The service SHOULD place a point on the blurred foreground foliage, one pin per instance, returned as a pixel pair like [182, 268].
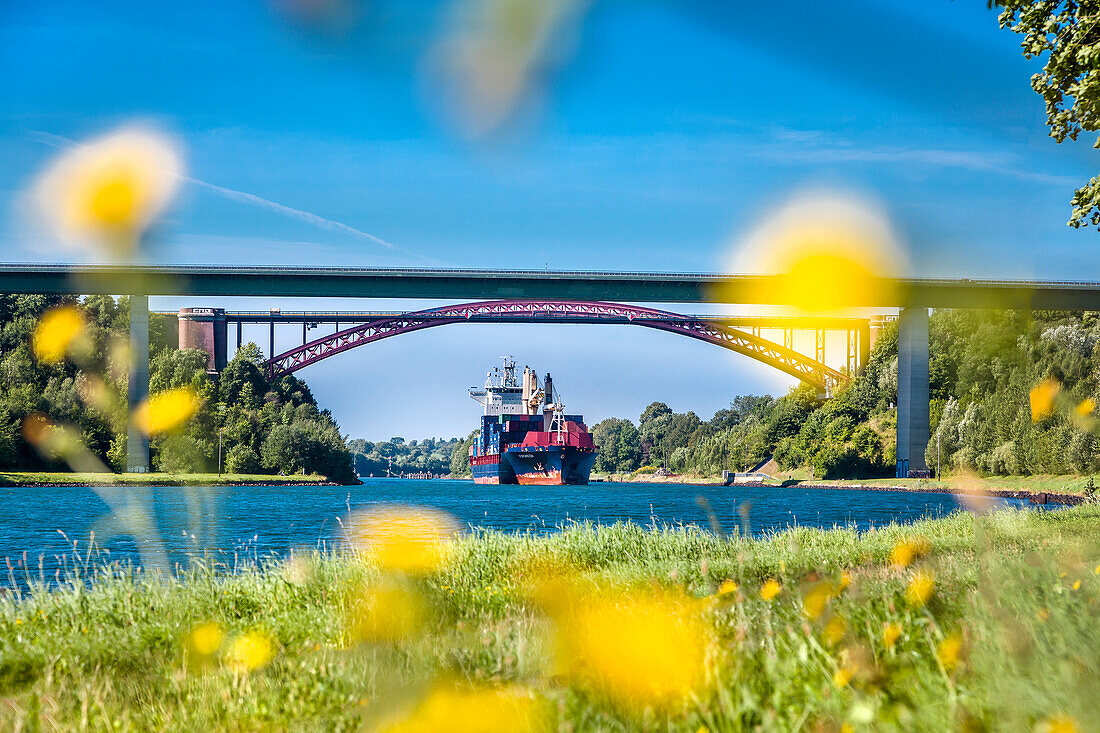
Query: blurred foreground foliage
[983, 366]
[267, 426]
[961, 623]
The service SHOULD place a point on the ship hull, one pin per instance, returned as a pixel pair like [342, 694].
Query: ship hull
[491, 470]
[551, 465]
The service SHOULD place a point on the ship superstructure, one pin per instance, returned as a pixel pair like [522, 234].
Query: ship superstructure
[526, 437]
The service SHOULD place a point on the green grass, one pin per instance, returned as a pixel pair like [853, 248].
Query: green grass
[53, 478]
[109, 655]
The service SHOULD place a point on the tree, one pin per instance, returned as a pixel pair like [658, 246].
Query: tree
[653, 411]
[242, 381]
[1067, 32]
[618, 444]
[460, 455]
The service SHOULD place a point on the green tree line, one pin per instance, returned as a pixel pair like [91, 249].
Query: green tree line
[432, 455]
[983, 368]
[266, 426]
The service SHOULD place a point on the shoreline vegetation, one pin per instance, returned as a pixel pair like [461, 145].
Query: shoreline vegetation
[1067, 489]
[60, 478]
[963, 622]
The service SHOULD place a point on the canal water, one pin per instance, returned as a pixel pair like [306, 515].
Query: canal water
[39, 525]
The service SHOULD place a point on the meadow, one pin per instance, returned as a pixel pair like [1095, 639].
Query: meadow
[961, 623]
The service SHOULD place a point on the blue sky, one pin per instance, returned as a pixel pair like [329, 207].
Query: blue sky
[665, 133]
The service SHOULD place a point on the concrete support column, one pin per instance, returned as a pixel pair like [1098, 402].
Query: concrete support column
[137, 442]
[864, 345]
[912, 389]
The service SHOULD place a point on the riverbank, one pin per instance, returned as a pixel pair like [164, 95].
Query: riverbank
[48, 479]
[976, 622]
[1042, 488]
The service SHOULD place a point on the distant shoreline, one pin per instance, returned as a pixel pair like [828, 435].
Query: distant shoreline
[924, 486]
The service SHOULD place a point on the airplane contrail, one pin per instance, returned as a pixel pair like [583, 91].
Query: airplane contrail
[307, 217]
[57, 141]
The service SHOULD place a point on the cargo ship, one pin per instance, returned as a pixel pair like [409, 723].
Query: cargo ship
[526, 437]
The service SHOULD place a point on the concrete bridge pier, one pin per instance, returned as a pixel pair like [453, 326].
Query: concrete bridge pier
[137, 442]
[912, 390]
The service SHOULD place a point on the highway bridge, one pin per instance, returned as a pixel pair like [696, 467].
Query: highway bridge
[913, 296]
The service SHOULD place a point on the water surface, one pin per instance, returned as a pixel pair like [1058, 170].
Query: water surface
[261, 521]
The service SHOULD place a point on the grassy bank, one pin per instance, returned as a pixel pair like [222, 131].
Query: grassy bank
[60, 478]
[1058, 484]
[956, 623]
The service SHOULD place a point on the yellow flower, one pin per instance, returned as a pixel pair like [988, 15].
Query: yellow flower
[834, 630]
[907, 550]
[890, 635]
[815, 600]
[828, 252]
[450, 708]
[770, 589]
[205, 639]
[1096, 570]
[1042, 399]
[727, 587]
[845, 581]
[842, 677]
[249, 651]
[1086, 407]
[1058, 724]
[407, 539]
[56, 332]
[1077, 585]
[166, 411]
[948, 650]
[638, 651]
[388, 612]
[920, 588]
[109, 191]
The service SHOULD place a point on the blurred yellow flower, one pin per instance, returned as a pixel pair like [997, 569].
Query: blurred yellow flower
[109, 191]
[249, 651]
[638, 651]
[403, 538]
[388, 612]
[1086, 407]
[829, 251]
[206, 639]
[816, 598]
[770, 589]
[1096, 570]
[56, 332]
[1042, 399]
[948, 651]
[1076, 585]
[920, 588]
[167, 410]
[907, 550]
[727, 587]
[449, 708]
[845, 581]
[1058, 724]
[834, 630]
[890, 635]
[842, 677]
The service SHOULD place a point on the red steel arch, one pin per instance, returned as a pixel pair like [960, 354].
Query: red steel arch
[780, 357]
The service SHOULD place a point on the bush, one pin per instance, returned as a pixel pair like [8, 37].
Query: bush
[181, 454]
[242, 459]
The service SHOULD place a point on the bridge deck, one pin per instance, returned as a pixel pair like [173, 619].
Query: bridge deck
[634, 287]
